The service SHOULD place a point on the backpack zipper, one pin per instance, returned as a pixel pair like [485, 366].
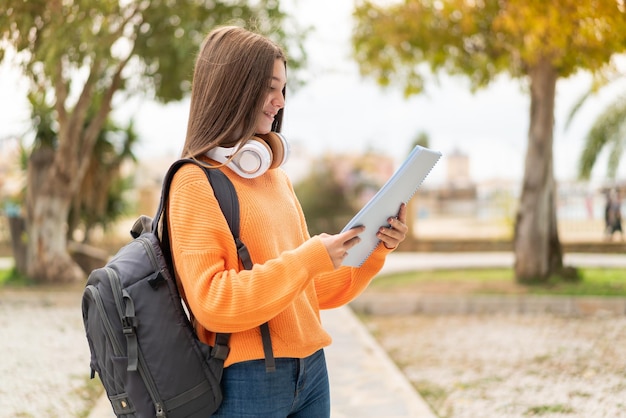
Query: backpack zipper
[95, 293]
[150, 252]
[116, 286]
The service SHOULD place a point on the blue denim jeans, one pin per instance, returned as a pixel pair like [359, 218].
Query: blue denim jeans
[297, 389]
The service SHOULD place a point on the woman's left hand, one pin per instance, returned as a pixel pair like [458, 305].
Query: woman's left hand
[393, 234]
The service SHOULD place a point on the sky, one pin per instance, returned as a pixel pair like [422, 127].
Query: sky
[339, 111]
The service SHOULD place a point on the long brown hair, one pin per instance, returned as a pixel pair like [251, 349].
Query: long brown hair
[231, 78]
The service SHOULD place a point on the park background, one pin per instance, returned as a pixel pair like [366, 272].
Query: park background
[468, 203]
[337, 114]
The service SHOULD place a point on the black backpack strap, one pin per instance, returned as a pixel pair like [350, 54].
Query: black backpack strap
[226, 196]
[270, 363]
[229, 204]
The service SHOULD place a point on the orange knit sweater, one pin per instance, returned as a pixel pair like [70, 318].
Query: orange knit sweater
[292, 278]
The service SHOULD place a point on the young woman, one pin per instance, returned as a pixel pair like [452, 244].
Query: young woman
[237, 102]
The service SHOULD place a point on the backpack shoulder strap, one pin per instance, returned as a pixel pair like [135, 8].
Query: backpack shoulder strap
[226, 196]
[229, 204]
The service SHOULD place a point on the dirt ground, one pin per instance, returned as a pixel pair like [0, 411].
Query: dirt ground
[44, 367]
[507, 365]
[511, 365]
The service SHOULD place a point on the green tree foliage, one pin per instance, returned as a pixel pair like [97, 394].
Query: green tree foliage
[326, 202]
[537, 41]
[78, 55]
[422, 139]
[100, 200]
[608, 131]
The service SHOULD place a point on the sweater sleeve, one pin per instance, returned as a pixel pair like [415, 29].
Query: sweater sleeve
[343, 285]
[222, 296]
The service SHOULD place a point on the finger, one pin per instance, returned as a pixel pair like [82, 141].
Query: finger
[400, 219]
[392, 236]
[402, 213]
[401, 216]
[389, 233]
[397, 224]
[351, 243]
[388, 241]
[351, 233]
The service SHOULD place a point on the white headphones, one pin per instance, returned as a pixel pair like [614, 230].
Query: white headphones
[255, 157]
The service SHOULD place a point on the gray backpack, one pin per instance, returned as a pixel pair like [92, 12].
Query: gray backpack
[142, 343]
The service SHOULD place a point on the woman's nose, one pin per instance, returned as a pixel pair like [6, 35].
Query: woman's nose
[279, 101]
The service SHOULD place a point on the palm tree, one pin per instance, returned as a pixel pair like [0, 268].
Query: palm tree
[607, 132]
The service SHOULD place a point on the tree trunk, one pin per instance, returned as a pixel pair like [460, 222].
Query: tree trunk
[48, 202]
[17, 227]
[49, 260]
[538, 251]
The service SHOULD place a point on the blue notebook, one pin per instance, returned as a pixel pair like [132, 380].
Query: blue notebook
[386, 202]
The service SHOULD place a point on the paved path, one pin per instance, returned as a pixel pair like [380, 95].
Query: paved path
[416, 261]
[364, 382]
[6, 263]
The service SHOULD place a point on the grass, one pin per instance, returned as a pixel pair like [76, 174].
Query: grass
[435, 396]
[13, 278]
[549, 409]
[590, 282]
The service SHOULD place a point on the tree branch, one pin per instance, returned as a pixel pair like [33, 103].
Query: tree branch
[61, 92]
[82, 106]
[79, 114]
[97, 122]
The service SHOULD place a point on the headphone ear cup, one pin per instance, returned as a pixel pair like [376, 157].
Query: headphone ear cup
[253, 159]
[278, 145]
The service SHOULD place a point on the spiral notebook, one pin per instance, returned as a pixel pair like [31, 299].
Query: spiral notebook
[386, 202]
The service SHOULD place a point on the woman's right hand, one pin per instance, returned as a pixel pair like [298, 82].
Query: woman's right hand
[338, 245]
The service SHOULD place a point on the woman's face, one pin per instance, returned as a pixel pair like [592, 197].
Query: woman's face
[274, 100]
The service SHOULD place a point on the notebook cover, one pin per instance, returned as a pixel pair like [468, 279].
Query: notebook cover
[400, 187]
